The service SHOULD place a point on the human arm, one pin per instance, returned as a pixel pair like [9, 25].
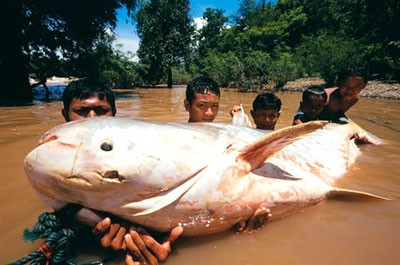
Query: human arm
[234, 109]
[297, 118]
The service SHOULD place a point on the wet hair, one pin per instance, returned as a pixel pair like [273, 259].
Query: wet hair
[84, 89]
[267, 100]
[314, 91]
[203, 85]
[351, 71]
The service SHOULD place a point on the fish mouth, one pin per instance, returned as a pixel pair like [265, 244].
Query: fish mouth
[114, 175]
[96, 177]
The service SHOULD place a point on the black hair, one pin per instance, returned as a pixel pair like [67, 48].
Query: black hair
[202, 84]
[83, 89]
[267, 100]
[314, 91]
[351, 71]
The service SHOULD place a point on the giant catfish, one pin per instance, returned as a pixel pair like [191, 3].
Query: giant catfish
[205, 177]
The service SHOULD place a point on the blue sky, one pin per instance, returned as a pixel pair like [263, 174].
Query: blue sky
[125, 31]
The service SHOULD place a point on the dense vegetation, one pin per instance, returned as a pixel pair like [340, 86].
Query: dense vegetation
[262, 43]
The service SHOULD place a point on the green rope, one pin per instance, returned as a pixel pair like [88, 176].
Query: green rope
[53, 228]
[55, 248]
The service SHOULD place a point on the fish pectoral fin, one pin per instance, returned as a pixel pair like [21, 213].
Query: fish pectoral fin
[155, 203]
[347, 194]
[257, 152]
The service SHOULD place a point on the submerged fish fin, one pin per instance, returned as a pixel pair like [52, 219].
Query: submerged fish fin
[257, 152]
[346, 194]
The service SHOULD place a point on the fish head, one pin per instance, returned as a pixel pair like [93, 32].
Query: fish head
[76, 157]
[102, 158]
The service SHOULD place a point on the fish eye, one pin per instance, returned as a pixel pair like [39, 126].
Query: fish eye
[106, 146]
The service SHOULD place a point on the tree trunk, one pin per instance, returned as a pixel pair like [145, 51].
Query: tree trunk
[169, 77]
[13, 74]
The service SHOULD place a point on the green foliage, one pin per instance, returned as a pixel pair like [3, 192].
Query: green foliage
[181, 76]
[284, 69]
[222, 67]
[264, 42]
[209, 36]
[66, 30]
[47, 37]
[165, 33]
[255, 71]
[303, 38]
[325, 55]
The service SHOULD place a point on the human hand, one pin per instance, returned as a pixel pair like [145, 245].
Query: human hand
[256, 221]
[234, 109]
[111, 234]
[143, 248]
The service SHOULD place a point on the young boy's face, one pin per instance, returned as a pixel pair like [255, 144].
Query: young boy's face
[265, 119]
[85, 108]
[204, 107]
[351, 86]
[312, 106]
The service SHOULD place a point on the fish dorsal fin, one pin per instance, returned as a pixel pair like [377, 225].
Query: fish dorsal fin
[257, 152]
[346, 194]
[155, 203]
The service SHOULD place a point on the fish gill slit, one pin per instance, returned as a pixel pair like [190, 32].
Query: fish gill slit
[75, 159]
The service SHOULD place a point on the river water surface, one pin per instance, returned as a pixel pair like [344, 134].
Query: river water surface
[335, 232]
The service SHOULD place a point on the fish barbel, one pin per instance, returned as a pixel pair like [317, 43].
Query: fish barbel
[205, 177]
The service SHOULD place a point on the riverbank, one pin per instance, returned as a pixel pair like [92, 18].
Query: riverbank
[374, 89]
[55, 81]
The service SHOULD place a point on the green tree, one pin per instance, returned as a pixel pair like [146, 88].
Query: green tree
[325, 55]
[210, 34]
[44, 33]
[165, 30]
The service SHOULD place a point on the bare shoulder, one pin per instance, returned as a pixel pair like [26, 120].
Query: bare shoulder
[330, 90]
[330, 94]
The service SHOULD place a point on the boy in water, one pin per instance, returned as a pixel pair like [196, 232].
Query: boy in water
[85, 99]
[202, 99]
[342, 98]
[202, 103]
[313, 102]
[266, 110]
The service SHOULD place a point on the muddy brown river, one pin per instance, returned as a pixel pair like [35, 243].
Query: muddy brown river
[334, 232]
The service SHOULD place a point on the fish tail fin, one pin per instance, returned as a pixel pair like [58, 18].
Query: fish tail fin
[347, 194]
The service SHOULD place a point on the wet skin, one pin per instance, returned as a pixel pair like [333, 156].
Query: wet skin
[86, 108]
[204, 107]
[265, 119]
[312, 106]
[346, 95]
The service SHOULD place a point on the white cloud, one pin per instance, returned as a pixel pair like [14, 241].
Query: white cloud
[199, 22]
[128, 44]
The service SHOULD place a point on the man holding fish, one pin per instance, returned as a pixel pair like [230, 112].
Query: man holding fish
[85, 99]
